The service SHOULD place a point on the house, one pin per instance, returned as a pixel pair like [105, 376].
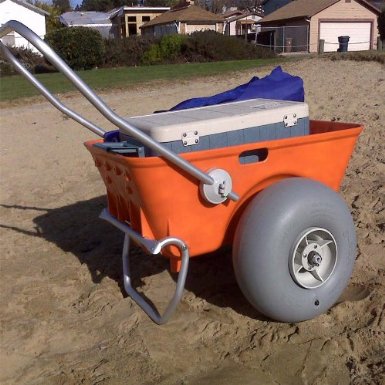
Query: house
[101, 21]
[184, 18]
[301, 24]
[238, 23]
[26, 13]
[118, 23]
[129, 20]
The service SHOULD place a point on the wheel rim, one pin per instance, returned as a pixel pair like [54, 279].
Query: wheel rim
[314, 258]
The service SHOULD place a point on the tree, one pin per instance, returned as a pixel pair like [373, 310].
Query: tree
[62, 5]
[218, 6]
[251, 5]
[215, 6]
[381, 24]
[52, 20]
[107, 5]
[97, 5]
[160, 3]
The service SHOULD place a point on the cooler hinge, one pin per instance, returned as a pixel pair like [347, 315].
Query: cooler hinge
[290, 120]
[190, 137]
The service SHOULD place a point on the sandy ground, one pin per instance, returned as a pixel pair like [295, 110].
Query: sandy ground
[64, 317]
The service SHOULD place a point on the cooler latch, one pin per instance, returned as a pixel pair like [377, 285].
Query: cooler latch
[189, 138]
[290, 120]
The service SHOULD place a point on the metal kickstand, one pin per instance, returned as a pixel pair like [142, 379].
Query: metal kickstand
[153, 247]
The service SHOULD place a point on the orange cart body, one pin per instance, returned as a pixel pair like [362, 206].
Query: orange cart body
[160, 200]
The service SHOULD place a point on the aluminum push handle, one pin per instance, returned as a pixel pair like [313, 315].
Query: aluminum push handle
[97, 102]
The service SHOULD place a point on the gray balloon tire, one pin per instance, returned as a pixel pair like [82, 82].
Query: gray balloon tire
[264, 241]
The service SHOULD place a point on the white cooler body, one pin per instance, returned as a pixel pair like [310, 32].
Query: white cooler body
[223, 125]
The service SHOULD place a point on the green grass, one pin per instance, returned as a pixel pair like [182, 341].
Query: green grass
[15, 87]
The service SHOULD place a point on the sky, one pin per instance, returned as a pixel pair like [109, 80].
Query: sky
[74, 3]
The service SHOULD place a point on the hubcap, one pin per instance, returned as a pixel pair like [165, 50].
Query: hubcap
[314, 258]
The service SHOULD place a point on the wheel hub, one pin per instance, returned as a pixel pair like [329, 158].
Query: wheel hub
[314, 258]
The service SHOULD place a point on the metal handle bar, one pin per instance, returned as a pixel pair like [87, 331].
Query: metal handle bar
[47, 94]
[97, 102]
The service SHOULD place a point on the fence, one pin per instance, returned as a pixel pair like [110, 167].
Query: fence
[284, 39]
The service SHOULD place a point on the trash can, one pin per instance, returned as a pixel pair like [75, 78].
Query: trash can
[344, 42]
[288, 44]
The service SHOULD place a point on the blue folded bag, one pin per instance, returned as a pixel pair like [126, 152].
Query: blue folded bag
[278, 85]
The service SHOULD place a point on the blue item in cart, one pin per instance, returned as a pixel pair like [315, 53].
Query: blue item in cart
[279, 85]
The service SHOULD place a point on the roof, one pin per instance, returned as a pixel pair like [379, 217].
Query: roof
[247, 21]
[125, 8]
[244, 15]
[305, 9]
[190, 13]
[29, 6]
[85, 18]
[231, 13]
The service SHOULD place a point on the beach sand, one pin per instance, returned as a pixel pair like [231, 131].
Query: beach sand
[65, 319]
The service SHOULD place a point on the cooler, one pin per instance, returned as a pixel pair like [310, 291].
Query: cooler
[222, 125]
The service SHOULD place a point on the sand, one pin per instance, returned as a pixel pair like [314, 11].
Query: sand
[64, 317]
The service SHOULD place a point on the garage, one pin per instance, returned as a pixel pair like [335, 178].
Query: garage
[359, 33]
[325, 20]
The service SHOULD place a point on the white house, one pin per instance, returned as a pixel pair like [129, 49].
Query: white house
[33, 17]
[241, 23]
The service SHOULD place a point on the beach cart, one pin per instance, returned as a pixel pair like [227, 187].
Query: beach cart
[257, 175]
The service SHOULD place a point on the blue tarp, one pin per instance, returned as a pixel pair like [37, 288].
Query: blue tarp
[278, 85]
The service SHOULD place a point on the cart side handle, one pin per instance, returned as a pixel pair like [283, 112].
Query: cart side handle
[95, 100]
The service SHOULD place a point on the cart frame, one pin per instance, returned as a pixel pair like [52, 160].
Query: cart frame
[208, 186]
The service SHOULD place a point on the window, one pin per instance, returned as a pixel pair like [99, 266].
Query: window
[131, 25]
[132, 29]
[145, 19]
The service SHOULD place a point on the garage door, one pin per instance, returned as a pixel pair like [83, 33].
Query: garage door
[359, 35]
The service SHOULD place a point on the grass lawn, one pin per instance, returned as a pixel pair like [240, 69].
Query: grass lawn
[14, 87]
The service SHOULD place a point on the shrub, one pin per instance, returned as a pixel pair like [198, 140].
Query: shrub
[6, 69]
[30, 60]
[212, 46]
[126, 52]
[198, 47]
[80, 47]
[152, 55]
[166, 50]
[171, 47]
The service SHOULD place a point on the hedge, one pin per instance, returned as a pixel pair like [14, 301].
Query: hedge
[79, 47]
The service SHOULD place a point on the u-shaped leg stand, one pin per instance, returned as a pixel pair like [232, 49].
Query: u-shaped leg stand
[153, 247]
